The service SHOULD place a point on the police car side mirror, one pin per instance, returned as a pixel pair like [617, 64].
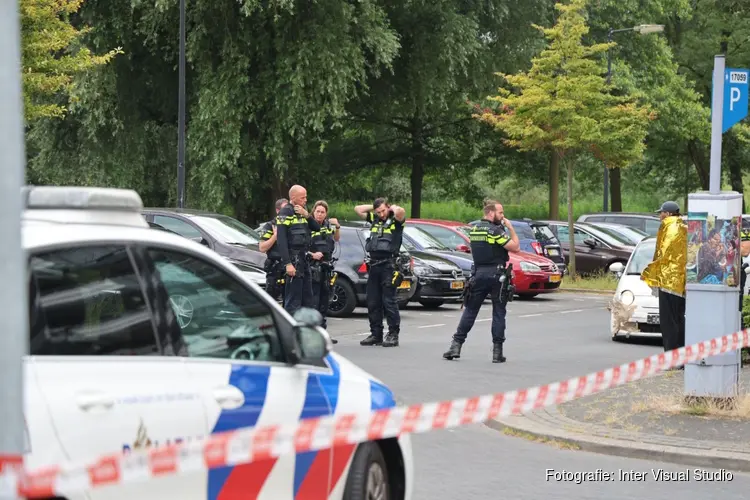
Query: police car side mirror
[314, 342]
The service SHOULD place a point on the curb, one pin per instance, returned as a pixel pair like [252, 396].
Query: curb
[586, 290]
[699, 457]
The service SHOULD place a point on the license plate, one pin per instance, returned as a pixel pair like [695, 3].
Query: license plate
[552, 251]
[457, 285]
[405, 284]
[652, 319]
[554, 278]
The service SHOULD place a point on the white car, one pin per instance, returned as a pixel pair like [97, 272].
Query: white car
[635, 311]
[141, 338]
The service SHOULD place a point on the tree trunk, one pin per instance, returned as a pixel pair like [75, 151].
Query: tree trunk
[615, 190]
[698, 156]
[417, 169]
[571, 233]
[732, 152]
[554, 185]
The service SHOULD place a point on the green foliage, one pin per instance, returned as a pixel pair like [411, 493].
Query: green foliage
[51, 54]
[746, 310]
[563, 104]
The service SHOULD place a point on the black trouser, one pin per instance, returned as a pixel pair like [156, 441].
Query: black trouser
[298, 288]
[485, 282]
[321, 289]
[672, 320]
[274, 272]
[381, 297]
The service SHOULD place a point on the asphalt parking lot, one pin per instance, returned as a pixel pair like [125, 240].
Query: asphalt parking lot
[549, 338]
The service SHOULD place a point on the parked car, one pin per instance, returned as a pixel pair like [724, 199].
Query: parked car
[438, 280]
[649, 223]
[536, 237]
[532, 274]
[225, 235]
[630, 234]
[596, 250]
[139, 338]
[633, 293]
[350, 288]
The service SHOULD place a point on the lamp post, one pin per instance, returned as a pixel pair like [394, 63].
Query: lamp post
[181, 114]
[641, 29]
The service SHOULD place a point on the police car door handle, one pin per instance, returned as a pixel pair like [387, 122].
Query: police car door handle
[229, 397]
[94, 400]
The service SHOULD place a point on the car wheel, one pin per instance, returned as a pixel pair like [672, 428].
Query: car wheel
[527, 296]
[368, 476]
[431, 304]
[343, 299]
[403, 303]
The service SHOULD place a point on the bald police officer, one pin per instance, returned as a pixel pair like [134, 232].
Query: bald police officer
[491, 240]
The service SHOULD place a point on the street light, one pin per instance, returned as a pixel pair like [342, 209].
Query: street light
[641, 29]
[181, 114]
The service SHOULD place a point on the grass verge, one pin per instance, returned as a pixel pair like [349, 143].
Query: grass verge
[595, 282]
[737, 408]
[540, 439]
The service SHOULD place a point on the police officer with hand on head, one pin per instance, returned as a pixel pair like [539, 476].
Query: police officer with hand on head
[491, 240]
[383, 246]
[322, 245]
[294, 225]
[273, 267]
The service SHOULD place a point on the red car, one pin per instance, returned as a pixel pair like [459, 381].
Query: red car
[532, 274]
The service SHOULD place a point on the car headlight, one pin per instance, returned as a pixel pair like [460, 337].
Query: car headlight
[627, 297]
[422, 270]
[528, 267]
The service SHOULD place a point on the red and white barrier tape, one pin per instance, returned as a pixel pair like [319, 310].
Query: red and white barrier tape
[253, 444]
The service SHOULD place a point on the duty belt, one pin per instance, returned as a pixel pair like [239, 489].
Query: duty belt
[372, 263]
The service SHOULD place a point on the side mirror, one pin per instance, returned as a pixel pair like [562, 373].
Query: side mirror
[617, 268]
[314, 342]
[590, 242]
[201, 240]
[463, 248]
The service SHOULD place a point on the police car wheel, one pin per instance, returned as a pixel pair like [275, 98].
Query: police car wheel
[343, 300]
[368, 475]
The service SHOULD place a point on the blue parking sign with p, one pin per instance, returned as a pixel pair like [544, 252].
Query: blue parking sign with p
[736, 83]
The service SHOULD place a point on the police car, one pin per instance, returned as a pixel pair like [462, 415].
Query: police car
[139, 338]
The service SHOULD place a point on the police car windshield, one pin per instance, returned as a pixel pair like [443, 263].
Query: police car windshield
[641, 257]
[227, 230]
[423, 239]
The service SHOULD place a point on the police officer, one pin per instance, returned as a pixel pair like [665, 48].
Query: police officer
[383, 246]
[294, 225]
[322, 245]
[491, 240]
[273, 267]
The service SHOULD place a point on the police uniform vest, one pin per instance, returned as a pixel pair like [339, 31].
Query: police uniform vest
[385, 237]
[299, 231]
[322, 241]
[266, 234]
[488, 244]
[745, 234]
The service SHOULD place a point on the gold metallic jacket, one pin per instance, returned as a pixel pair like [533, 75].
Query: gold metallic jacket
[668, 268]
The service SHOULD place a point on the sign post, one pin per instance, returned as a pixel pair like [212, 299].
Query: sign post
[14, 319]
[714, 261]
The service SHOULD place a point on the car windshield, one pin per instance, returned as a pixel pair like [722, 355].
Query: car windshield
[643, 255]
[609, 236]
[423, 239]
[633, 235]
[227, 230]
[544, 234]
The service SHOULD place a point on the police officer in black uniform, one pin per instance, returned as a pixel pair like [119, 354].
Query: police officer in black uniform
[322, 245]
[294, 225]
[491, 240]
[383, 247]
[273, 267]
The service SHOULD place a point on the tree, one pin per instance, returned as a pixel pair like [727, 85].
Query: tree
[51, 54]
[563, 104]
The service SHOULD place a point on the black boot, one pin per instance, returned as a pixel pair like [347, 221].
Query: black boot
[453, 352]
[391, 340]
[497, 353]
[372, 340]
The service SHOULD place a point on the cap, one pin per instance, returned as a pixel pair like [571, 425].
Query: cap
[669, 206]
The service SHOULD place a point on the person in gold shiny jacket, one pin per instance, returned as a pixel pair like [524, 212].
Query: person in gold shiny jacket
[666, 275]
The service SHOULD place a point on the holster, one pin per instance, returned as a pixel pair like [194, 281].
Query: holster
[316, 272]
[467, 290]
[398, 278]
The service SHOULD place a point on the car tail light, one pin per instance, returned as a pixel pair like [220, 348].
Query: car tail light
[363, 268]
[537, 247]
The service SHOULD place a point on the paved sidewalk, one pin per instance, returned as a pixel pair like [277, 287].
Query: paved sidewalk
[639, 420]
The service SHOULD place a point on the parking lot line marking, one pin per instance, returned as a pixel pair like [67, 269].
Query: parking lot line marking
[529, 315]
[449, 316]
[335, 319]
[425, 314]
[431, 326]
[485, 319]
[571, 311]
[363, 334]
